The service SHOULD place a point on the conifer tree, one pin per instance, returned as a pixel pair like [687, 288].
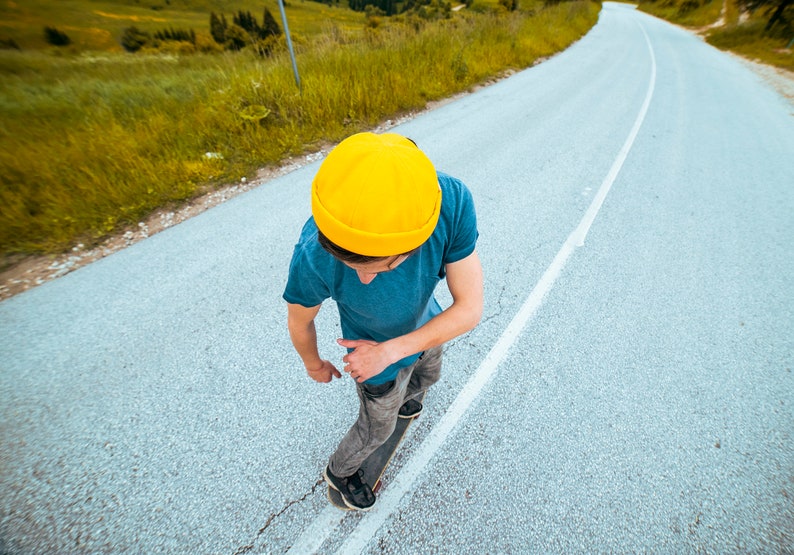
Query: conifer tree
[217, 28]
[269, 25]
[56, 37]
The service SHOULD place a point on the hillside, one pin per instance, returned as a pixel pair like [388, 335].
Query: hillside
[99, 24]
[93, 143]
[759, 30]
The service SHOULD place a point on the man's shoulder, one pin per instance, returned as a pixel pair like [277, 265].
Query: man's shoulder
[308, 249]
[455, 195]
[310, 270]
[451, 185]
[456, 199]
[457, 224]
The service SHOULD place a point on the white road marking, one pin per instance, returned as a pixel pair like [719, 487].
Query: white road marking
[315, 535]
[389, 501]
[584, 226]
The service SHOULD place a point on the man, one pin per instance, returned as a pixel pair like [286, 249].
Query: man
[385, 229]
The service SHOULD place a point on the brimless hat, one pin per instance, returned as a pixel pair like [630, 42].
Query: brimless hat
[376, 195]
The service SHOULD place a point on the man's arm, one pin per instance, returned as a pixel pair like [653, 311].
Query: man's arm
[300, 322]
[464, 279]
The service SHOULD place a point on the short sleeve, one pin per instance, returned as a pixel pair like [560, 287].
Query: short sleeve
[463, 231]
[305, 284]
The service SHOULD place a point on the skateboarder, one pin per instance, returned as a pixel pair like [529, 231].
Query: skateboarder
[385, 229]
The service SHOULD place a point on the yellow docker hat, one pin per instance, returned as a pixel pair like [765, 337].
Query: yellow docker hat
[376, 195]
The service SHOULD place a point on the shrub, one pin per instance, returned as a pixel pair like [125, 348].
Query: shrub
[460, 69]
[218, 28]
[236, 37]
[270, 26]
[434, 9]
[9, 44]
[56, 37]
[133, 39]
[245, 30]
[269, 45]
[182, 48]
[207, 44]
[247, 22]
[176, 35]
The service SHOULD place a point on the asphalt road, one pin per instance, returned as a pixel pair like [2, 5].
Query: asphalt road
[628, 390]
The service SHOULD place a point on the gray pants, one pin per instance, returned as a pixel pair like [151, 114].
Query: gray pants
[377, 415]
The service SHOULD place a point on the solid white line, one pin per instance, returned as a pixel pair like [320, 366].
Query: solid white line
[315, 535]
[584, 226]
[388, 502]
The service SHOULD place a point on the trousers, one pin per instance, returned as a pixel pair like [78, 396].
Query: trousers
[377, 415]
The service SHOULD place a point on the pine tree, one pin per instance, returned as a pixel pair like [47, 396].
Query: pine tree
[56, 37]
[775, 9]
[269, 25]
[133, 39]
[217, 28]
[247, 22]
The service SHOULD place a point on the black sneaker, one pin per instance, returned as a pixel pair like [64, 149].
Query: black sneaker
[355, 492]
[410, 409]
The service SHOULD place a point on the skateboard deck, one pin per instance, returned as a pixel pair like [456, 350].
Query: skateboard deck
[375, 465]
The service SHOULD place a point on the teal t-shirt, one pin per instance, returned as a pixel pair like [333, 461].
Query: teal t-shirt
[395, 302]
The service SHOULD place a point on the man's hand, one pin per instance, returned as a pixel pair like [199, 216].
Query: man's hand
[367, 359]
[325, 373]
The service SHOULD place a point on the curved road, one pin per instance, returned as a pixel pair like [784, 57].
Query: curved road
[628, 390]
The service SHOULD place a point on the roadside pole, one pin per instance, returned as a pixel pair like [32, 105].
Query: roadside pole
[289, 44]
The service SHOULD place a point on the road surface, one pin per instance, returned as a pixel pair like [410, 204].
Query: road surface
[629, 388]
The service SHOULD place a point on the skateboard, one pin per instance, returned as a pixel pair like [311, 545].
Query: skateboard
[375, 465]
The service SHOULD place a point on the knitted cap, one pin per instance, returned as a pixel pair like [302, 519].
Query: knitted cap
[376, 195]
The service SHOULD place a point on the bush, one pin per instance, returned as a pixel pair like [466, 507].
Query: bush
[218, 28]
[434, 9]
[244, 31]
[182, 48]
[270, 45]
[270, 26]
[176, 35]
[236, 37]
[133, 39]
[207, 44]
[55, 37]
[9, 44]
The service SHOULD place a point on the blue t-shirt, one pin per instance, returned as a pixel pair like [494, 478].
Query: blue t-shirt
[396, 302]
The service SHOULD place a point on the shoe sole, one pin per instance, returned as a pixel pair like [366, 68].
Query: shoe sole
[408, 417]
[344, 500]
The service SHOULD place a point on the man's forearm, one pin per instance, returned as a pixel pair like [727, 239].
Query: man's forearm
[304, 339]
[464, 279]
[454, 321]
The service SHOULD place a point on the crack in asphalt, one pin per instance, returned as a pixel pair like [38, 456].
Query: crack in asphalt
[499, 308]
[273, 517]
[249, 547]
[483, 320]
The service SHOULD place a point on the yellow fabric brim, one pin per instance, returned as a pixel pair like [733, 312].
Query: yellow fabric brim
[368, 243]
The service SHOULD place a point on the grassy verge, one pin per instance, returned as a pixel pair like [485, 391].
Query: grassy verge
[683, 12]
[743, 34]
[91, 143]
[749, 39]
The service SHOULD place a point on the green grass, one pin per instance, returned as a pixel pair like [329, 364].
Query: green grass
[99, 24]
[744, 36]
[684, 12]
[749, 39]
[94, 141]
